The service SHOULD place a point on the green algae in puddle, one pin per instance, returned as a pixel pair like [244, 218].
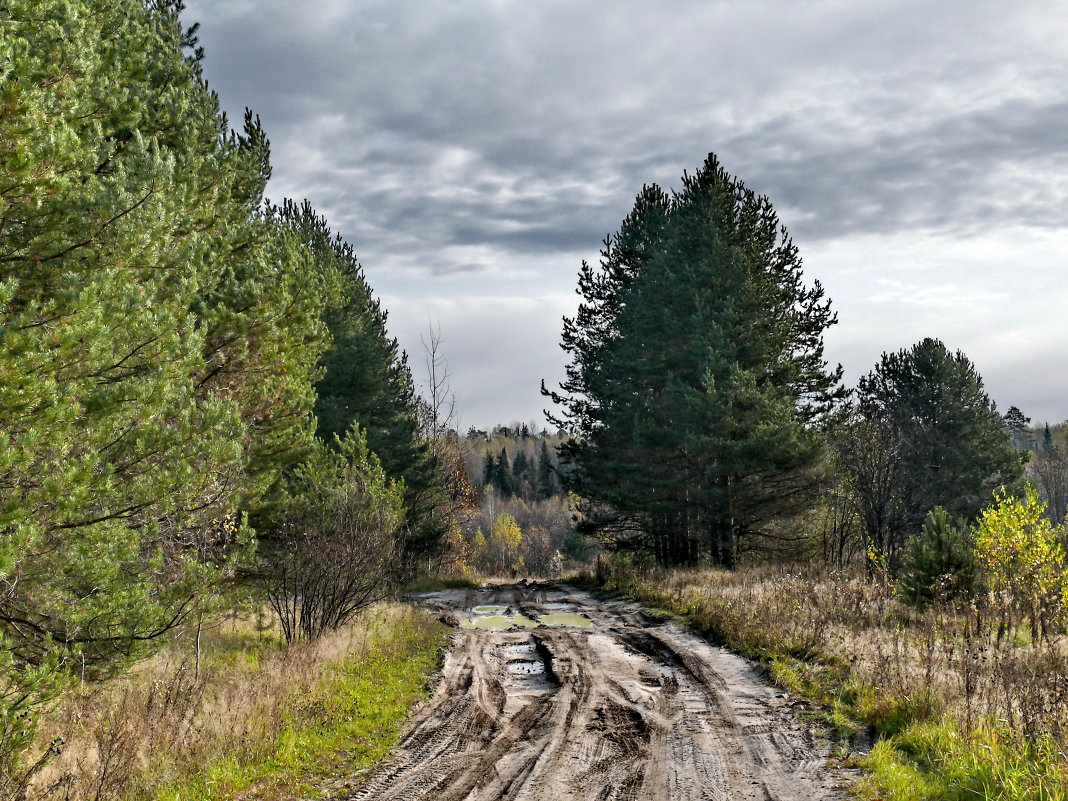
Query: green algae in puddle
[488, 610]
[498, 622]
[565, 619]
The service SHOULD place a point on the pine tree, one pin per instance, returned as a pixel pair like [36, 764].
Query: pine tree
[936, 439]
[125, 412]
[366, 380]
[602, 287]
[158, 339]
[939, 564]
[1019, 428]
[697, 374]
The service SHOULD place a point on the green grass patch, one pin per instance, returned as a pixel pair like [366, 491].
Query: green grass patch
[936, 760]
[349, 721]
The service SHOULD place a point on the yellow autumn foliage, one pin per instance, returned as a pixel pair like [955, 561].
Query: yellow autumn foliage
[504, 544]
[1022, 560]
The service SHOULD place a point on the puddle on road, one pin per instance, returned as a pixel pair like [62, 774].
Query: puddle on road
[498, 622]
[565, 619]
[525, 665]
[523, 668]
[498, 617]
[523, 660]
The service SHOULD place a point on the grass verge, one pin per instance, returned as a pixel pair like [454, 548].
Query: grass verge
[257, 720]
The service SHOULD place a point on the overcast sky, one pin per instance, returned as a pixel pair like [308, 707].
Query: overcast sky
[475, 151]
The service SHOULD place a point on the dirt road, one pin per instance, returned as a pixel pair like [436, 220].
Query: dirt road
[551, 695]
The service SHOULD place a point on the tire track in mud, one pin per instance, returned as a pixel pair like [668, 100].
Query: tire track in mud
[627, 709]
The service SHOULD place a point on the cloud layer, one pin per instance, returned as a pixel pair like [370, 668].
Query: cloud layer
[475, 152]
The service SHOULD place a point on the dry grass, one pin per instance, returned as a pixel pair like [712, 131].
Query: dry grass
[938, 685]
[248, 710]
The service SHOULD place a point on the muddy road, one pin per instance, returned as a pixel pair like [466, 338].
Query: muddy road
[551, 695]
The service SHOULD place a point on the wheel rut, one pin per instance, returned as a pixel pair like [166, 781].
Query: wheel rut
[611, 704]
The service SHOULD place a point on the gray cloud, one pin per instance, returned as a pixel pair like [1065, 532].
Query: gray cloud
[463, 146]
[571, 97]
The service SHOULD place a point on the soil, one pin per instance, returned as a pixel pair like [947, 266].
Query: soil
[613, 704]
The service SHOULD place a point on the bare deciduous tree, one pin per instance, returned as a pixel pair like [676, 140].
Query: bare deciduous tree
[440, 411]
[1049, 470]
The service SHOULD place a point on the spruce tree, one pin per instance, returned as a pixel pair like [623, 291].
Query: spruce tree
[502, 475]
[546, 478]
[520, 472]
[366, 380]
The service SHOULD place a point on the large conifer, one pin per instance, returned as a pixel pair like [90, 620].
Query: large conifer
[366, 380]
[697, 373]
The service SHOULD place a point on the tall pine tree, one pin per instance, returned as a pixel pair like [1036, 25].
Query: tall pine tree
[366, 380]
[697, 374]
[158, 335]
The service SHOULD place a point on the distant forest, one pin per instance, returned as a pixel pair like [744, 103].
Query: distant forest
[521, 519]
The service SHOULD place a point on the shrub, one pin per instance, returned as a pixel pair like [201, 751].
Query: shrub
[340, 542]
[1023, 562]
[939, 564]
